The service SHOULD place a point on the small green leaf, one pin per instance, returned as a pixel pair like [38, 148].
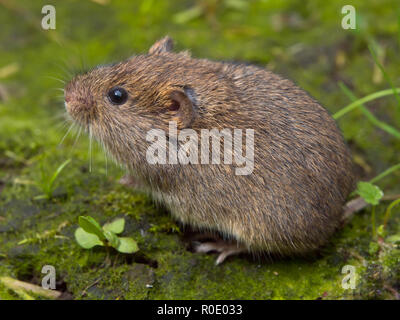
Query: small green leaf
[369, 192]
[381, 231]
[127, 245]
[393, 239]
[90, 225]
[112, 239]
[117, 226]
[87, 240]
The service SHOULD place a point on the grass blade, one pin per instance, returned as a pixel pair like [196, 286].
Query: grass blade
[56, 173]
[370, 116]
[365, 99]
[386, 76]
[389, 210]
[385, 173]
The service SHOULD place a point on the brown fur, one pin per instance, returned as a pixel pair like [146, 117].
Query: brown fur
[291, 203]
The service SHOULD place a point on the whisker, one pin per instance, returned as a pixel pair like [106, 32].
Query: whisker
[59, 116]
[77, 138]
[106, 160]
[62, 125]
[62, 140]
[90, 149]
[60, 98]
[65, 71]
[77, 135]
[57, 79]
[57, 89]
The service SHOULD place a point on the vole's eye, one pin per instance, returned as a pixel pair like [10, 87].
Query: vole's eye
[117, 95]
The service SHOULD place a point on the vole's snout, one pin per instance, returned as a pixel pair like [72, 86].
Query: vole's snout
[78, 102]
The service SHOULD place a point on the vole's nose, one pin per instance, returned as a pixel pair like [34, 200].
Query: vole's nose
[67, 97]
[71, 100]
[78, 101]
[69, 91]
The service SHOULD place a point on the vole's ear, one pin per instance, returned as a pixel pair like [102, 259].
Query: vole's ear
[165, 44]
[181, 104]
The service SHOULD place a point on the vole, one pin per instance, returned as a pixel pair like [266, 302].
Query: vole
[289, 204]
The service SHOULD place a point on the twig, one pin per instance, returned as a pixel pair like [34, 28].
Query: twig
[359, 203]
[20, 286]
[89, 286]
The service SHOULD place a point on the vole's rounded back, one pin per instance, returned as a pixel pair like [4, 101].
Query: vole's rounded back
[290, 203]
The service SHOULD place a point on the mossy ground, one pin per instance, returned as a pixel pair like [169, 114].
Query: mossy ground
[301, 40]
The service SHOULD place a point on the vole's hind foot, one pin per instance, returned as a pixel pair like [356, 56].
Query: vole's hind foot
[225, 249]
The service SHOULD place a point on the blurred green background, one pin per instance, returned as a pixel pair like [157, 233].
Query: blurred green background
[301, 40]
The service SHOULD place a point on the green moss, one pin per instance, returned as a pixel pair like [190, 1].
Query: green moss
[196, 277]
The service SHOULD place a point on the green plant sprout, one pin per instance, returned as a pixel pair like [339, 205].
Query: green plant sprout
[367, 190]
[91, 234]
[46, 184]
[372, 194]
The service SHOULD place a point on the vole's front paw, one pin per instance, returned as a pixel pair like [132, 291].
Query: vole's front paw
[224, 248]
